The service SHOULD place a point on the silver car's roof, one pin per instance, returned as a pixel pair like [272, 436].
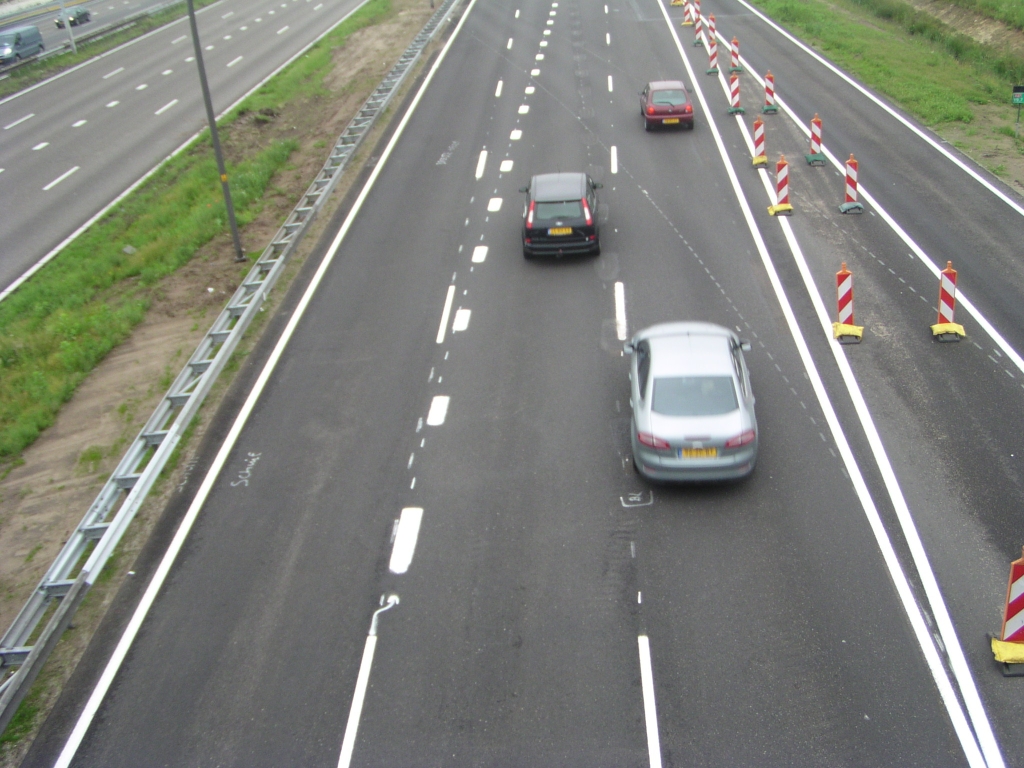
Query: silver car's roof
[691, 354]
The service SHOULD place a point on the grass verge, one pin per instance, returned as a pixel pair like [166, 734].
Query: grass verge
[60, 324]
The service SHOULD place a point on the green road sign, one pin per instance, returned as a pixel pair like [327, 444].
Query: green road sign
[1018, 94]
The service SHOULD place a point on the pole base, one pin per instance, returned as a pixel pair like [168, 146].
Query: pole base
[698, 43]
[737, 70]
[854, 207]
[847, 334]
[769, 109]
[737, 111]
[1009, 656]
[760, 160]
[948, 331]
[782, 209]
[815, 159]
[713, 71]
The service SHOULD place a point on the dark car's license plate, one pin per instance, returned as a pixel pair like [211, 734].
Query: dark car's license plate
[670, 120]
[560, 231]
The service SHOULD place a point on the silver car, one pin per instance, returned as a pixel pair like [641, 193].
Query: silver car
[693, 409]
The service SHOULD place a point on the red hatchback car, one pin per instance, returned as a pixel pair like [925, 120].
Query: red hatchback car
[666, 102]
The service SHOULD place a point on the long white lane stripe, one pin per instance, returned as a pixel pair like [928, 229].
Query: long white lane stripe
[235, 61]
[444, 314]
[958, 661]
[481, 163]
[615, 160]
[910, 606]
[497, 91]
[19, 121]
[650, 707]
[356, 710]
[125, 643]
[405, 539]
[609, 84]
[921, 134]
[59, 179]
[620, 311]
[165, 107]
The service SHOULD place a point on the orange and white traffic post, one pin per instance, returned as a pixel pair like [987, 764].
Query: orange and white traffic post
[1008, 648]
[734, 95]
[770, 107]
[782, 206]
[851, 204]
[734, 64]
[945, 329]
[687, 13]
[760, 158]
[815, 157]
[845, 332]
[712, 46]
[698, 26]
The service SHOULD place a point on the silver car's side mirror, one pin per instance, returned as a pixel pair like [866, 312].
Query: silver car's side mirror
[628, 348]
[745, 345]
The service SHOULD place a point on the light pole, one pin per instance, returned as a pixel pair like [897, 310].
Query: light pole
[67, 24]
[212, 120]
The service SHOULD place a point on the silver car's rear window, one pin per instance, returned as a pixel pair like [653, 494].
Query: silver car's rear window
[567, 209]
[693, 396]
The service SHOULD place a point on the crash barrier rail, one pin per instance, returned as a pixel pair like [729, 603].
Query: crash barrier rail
[68, 579]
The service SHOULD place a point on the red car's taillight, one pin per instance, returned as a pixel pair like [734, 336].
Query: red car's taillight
[688, 108]
[651, 441]
[586, 212]
[529, 216]
[741, 439]
[650, 110]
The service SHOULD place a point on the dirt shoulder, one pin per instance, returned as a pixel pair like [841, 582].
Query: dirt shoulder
[43, 499]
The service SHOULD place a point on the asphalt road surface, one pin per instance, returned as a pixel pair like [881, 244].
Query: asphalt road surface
[75, 143]
[557, 609]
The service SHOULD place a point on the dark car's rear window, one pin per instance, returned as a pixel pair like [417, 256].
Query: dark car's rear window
[566, 209]
[693, 396]
[671, 98]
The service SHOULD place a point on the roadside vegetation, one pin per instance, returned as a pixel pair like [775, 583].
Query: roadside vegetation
[921, 63]
[1009, 12]
[30, 74]
[57, 327]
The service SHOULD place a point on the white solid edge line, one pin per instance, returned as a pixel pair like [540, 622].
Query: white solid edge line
[6, 292]
[125, 643]
[650, 707]
[444, 313]
[620, 311]
[481, 163]
[910, 605]
[356, 710]
[949, 155]
[933, 593]
[405, 539]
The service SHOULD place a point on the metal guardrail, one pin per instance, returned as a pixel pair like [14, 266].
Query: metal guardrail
[97, 535]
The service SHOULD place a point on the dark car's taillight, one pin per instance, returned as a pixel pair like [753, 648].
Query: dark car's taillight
[688, 109]
[586, 212]
[529, 216]
[650, 109]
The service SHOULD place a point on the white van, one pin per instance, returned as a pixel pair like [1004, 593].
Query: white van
[19, 43]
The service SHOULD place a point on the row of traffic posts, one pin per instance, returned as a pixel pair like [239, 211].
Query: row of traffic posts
[1008, 646]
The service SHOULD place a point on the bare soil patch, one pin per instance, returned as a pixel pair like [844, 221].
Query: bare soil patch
[44, 497]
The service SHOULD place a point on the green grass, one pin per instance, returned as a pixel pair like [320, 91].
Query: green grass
[57, 327]
[920, 63]
[1009, 12]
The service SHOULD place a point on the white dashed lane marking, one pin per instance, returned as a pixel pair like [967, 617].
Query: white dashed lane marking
[446, 312]
[494, 204]
[615, 160]
[506, 166]
[234, 61]
[79, 123]
[524, 108]
[516, 135]
[509, 46]
[405, 539]
[166, 106]
[479, 254]
[117, 71]
[497, 91]
[481, 164]
[19, 121]
[461, 321]
[59, 179]
[438, 410]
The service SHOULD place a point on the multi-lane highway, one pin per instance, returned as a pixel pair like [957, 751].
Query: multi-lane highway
[71, 145]
[557, 610]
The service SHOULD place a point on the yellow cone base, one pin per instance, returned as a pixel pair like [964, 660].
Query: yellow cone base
[847, 334]
[760, 160]
[783, 209]
[686, 24]
[1010, 657]
[948, 331]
